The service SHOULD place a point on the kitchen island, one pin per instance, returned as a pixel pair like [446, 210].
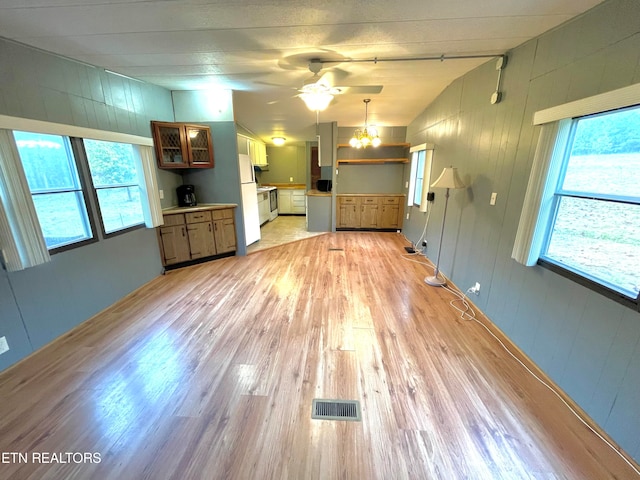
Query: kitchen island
[318, 211]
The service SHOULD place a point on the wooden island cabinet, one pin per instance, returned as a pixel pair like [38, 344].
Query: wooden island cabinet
[191, 234]
[369, 211]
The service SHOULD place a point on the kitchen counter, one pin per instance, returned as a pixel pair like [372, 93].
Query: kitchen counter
[265, 189]
[317, 193]
[198, 208]
[295, 186]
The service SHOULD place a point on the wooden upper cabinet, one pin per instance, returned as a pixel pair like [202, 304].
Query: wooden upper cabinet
[200, 146]
[181, 145]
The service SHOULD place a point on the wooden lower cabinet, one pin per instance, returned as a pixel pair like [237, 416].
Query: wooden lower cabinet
[348, 213]
[292, 201]
[372, 212]
[196, 235]
[175, 244]
[390, 212]
[201, 240]
[224, 228]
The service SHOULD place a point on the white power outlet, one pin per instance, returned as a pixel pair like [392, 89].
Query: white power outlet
[475, 289]
[4, 346]
[161, 192]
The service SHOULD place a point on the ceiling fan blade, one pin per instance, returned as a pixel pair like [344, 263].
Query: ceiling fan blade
[362, 89]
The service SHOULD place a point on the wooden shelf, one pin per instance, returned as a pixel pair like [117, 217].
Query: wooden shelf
[346, 145]
[372, 160]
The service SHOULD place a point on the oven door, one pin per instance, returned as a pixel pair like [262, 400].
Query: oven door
[273, 203]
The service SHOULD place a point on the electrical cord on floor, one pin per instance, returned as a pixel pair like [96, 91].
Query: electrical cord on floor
[472, 317]
[422, 236]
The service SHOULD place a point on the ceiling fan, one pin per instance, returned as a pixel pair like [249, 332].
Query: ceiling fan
[323, 86]
[318, 91]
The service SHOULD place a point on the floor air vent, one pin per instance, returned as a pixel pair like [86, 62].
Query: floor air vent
[336, 410]
[336, 249]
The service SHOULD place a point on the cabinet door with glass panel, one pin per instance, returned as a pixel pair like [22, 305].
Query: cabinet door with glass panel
[199, 146]
[180, 145]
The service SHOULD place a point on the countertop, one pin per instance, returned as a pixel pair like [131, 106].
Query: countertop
[265, 188]
[371, 195]
[198, 208]
[294, 186]
[317, 193]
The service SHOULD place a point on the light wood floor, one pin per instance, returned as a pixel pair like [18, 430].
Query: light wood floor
[209, 372]
[283, 229]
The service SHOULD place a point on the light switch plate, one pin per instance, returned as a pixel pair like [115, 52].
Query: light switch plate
[4, 346]
[161, 192]
[494, 196]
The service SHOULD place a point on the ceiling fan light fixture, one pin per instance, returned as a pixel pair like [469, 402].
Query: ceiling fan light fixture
[366, 136]
[316, 101]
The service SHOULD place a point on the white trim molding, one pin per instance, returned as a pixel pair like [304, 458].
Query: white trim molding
[39, 126]
[620, 98]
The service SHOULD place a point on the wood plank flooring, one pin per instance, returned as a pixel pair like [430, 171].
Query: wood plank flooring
[209, 372]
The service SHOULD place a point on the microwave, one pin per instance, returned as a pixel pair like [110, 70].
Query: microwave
[324, 185]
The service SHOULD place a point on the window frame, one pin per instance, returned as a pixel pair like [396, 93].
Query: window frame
[426, 150]
[535, 212]
[577, 275]
[83, 189]
[94, 191]
[420, 157]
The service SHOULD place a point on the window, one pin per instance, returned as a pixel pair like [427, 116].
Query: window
[56, 189]
[421, 157]
[594, 227]
[419, 177]
[116, 183]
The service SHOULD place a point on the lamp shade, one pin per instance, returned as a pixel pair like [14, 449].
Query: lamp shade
[449, 179]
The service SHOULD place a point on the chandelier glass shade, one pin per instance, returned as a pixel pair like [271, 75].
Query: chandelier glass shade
[366, 136]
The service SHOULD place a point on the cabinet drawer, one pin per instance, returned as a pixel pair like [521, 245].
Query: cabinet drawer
[170, 220]
[221, 214]
[391, 200]
[348, 200]
[197, 217]
[369, 200]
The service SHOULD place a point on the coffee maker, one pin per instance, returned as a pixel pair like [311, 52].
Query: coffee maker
[186, 196]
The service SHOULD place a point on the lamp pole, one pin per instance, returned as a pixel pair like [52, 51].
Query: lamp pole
[435, 280]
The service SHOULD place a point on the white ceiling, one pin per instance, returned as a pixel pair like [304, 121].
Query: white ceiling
[261, 49]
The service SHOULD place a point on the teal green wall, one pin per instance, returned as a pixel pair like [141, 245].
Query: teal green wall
[285, 162]
[384, 178]
[371, 178]
[586, 343]
[41, 303]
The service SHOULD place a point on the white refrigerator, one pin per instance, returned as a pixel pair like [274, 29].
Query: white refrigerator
[249, 200]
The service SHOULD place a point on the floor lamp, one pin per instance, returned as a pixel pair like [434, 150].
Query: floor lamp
[448, 179]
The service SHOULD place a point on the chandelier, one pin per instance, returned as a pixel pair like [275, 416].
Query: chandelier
[366, 136]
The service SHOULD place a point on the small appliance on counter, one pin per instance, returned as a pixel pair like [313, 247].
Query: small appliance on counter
[324, 185]
[186, 196]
